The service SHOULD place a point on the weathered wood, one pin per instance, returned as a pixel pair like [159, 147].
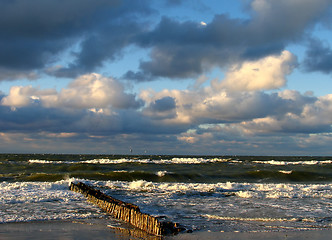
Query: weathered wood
[126, 211]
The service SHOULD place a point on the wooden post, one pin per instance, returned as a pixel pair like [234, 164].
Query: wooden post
[126, 211]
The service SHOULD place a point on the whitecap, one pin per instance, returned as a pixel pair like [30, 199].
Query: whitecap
[161, 173]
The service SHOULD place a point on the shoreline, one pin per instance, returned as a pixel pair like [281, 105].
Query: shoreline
[79, 229]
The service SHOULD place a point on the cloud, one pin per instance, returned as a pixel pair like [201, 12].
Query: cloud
[96, 105]
[35, 118]
[173, 120]
[253, 112]
[297, 114]
[300, 126]
[229, 139]
[87, 91]
[11, 74]
[163, 104]
[215, 106]
[287, 20]
[99, 112]
[17, 97]
[264, 74]
[163, 108]
[318, 57]
[34, 34]
[92, 91]
[105, 45]
[185, 49]
[20, 96]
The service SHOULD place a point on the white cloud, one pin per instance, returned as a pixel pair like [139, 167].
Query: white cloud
[315, 117]
[319, 113]
[92, 91]
[20, 96]
[264, 74]
[207, 105]
[247, 113]
[89, 91]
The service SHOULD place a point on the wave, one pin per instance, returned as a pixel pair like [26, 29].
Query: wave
[116, 175]
[170, 175]
[286, 175]
[40, 201]
[167, 168]
[136, 160]
[241, 190]
[259, 219]
[30, 201]
[285, 172]
[177, 160]
[285, 163]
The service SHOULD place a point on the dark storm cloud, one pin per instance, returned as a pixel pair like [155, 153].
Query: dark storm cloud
[36, 118]
[181, 50]
[32, 33]
[126, 122]
[318, 57]
[136, 122]
[164, 104]
[107, 44]
[163, 108]
[186, 49]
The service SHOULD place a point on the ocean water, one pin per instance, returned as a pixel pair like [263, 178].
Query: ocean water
[204, 193]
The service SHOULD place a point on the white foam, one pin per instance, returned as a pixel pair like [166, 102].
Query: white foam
[27, 201]
[284, 163]
[30, 201]
[140, 185]
[161, 173]
[120, 171]
[257, 219]
[110, 161]
[40, 161]
[242, 190]
[177, 160]
[194, 160]
[132, 160]
[285, 172]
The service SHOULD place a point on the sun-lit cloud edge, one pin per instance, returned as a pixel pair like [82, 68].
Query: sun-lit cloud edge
[218, 114]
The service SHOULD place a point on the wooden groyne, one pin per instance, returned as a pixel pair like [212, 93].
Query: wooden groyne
[126, 211]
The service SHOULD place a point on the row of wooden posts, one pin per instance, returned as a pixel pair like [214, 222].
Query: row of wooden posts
[126, 211]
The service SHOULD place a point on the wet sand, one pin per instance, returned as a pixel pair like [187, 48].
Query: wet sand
[291, 235]
[69, 230]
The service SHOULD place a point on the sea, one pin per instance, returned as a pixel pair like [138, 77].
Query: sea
[203, 193]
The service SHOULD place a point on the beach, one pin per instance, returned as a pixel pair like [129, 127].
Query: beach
[72, 230]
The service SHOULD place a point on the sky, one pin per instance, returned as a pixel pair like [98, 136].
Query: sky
[203, 77]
